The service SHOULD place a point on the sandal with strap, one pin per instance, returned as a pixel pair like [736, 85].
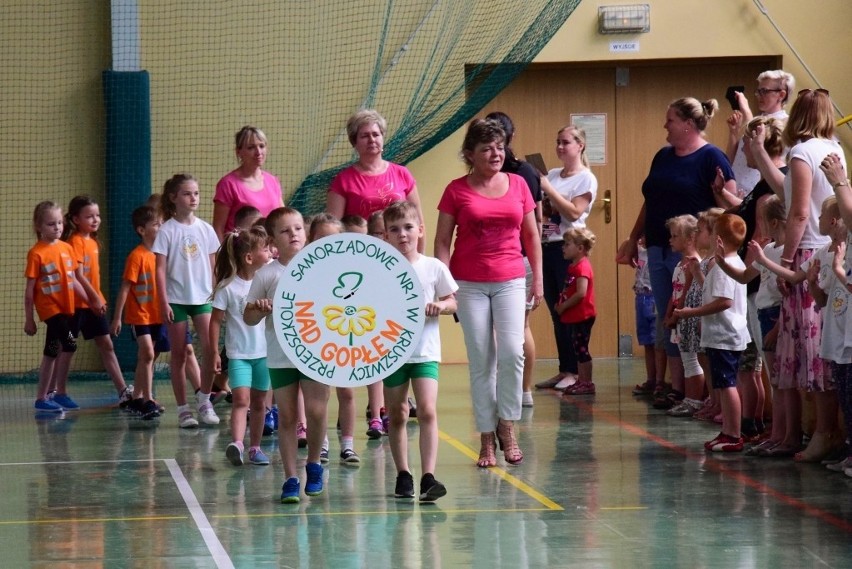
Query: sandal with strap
[487, 458]
[508, 444]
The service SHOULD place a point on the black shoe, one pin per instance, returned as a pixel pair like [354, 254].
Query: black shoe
[431, 489]
[135, 406]
[404, 485]
[149, 411]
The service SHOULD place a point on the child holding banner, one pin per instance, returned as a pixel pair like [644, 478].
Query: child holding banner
[287, 230]
[403, 230]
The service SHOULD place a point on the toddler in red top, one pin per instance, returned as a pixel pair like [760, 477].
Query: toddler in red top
[576, 305]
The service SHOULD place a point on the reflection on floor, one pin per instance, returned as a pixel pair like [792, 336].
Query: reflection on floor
[606, 482]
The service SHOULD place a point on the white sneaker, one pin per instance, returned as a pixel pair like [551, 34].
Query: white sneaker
[685, 408]
[527, 399]
[840, 466]
[207, 415]
[185, 418]
[565, 382]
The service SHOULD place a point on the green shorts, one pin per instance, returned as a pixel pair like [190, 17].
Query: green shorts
[284, 376]
[184, 312]
[412, 371]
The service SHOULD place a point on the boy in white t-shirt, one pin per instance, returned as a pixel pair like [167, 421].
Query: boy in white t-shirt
[403, 229]
[724, 331]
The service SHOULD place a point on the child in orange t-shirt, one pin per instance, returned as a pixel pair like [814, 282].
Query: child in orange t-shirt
[51, 289]
[576, 305]
[82, 222]
[140, 303]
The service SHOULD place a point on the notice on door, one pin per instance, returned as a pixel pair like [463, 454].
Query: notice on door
[595, 126]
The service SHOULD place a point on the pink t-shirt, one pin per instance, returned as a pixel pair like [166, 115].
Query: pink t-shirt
[487, 246]
[231, 192]
[367, 194]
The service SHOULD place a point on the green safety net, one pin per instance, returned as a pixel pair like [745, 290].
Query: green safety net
[297, 69]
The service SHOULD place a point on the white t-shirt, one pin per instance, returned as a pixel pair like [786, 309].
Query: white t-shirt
[747, 177]
[264, 285]
[242, 342]
[835, 344]
[826, 262]
[643, 274]
[187, 247]
[437, 282]
[812, 152]
[583, 182]
[769, 295]
[726, 330]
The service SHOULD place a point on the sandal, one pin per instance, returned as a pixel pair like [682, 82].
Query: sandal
[508, 444]
[762, 448]
[646, 388]
[487, 458]
[820, 445]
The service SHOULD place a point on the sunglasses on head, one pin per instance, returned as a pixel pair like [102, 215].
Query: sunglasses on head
[805, 91]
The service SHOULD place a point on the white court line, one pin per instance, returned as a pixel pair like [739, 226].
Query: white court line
[220, 556]
[42, 463]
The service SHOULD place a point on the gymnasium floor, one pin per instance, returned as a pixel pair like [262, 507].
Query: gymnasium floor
[607, 482]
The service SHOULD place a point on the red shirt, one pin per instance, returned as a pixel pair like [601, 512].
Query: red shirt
[584, 309]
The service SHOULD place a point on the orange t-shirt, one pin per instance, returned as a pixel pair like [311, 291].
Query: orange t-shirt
[86, 252]
[143, 302]
[52, 265]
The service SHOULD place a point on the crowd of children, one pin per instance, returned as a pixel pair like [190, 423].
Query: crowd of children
[179, 273]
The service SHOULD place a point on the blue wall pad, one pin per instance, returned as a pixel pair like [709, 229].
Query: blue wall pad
[128, 177]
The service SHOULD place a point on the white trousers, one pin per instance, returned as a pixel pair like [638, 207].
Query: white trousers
[492, 319]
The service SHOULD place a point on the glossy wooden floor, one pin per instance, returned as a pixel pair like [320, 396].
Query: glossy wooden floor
[606, 482]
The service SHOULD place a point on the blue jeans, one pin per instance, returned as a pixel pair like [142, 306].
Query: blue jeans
[554, 267]
[661, 265]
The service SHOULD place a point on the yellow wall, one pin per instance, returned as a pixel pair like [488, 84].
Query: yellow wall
[819, 32]
[54, 53]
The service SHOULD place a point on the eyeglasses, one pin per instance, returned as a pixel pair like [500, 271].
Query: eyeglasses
[763, 91]
[804, 91]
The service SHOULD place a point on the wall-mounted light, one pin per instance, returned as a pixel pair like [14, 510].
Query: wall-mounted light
[626, 19]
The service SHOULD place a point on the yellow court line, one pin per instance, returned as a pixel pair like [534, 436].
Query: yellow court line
[514, 481]
[423, 511]
[91, 520]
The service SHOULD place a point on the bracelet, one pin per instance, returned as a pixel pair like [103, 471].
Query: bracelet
[783, 260]
[838, 184]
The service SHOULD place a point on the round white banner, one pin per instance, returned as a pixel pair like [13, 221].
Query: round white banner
[349, 311]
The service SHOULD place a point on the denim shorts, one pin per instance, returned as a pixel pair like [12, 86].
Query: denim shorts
[646, 320]
[723, 367]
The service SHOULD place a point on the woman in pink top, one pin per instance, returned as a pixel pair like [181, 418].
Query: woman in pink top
[372, 183]
[367, 186]
[248, 184]
[491, 213]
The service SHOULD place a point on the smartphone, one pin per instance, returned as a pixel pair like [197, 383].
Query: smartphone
[537, 162]
[730, 94]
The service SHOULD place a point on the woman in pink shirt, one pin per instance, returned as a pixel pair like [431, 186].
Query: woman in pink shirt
[371, 183]
[492, 213]
[367, 186]
[248, 184]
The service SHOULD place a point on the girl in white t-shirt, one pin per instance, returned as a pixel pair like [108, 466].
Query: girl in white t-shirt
[243, 252]
[185, 248]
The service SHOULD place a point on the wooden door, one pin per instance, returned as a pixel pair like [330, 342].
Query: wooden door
[540, 103]
[634, 99]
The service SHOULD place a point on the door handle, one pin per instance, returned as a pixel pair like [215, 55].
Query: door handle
[607, 204]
